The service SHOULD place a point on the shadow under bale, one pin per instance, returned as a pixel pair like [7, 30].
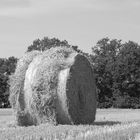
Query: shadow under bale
[106, 123]
[56, 86]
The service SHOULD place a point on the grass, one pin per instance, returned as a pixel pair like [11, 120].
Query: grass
[110, 124]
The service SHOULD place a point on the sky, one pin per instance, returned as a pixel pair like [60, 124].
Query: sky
[80, 22]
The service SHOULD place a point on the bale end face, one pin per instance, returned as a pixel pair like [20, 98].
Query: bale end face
[77, 93]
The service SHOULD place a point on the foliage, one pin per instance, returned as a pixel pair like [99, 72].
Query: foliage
[117, 67]
[7, 66]
[46, 43]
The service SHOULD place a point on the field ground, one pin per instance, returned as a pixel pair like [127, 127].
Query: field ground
[110, 124]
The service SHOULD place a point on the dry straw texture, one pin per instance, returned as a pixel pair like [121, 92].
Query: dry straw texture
[56, 86]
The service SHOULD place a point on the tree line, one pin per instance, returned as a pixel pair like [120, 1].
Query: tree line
[116, 66]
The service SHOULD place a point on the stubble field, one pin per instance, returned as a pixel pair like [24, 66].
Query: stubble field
[110, 124]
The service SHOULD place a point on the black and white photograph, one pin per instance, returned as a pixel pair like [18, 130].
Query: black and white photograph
[69, 70]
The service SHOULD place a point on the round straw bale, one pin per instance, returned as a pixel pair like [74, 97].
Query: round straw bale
[58, 87]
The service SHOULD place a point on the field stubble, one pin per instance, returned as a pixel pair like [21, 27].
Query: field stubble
[110, 124]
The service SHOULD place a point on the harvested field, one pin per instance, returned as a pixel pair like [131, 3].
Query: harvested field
[110, 124]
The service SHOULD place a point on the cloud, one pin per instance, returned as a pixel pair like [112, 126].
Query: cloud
[113, 5]
[13, 3]
[37, 7]
[27, 8]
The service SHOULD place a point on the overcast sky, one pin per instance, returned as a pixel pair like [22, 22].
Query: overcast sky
[80, 22]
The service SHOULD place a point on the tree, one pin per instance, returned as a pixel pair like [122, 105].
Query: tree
[3, 91]
[7, 67]
[11, 63]
[127, 74]
[46, 43]
[117, 68]
[104, 59]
